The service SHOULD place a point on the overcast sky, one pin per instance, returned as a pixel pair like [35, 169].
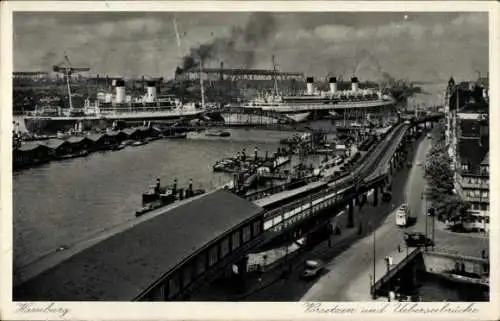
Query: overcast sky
[419, 46]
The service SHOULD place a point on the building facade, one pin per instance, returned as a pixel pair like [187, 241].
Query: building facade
[467, 137]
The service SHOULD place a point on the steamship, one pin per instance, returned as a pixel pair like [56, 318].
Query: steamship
[334, 102]
[108, 110]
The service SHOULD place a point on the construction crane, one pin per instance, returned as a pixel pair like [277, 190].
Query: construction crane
[66, 68]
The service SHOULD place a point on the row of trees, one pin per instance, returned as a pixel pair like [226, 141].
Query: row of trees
[445, 204]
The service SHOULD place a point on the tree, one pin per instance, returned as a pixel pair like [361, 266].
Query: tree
[440, 192]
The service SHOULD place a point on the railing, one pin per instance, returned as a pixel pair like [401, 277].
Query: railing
[378, 284]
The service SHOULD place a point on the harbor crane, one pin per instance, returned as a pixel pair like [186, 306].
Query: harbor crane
[66, 68]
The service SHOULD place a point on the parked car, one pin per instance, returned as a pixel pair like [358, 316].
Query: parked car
[429, 135]
[312, 269]
[417, 240]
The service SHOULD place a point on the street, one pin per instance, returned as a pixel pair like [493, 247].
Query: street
[348, 274]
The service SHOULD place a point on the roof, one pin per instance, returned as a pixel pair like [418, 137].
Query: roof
[266, 201]
[115, 133]
[27, 146]
[75, 139]
[247, 72]
[122, 266]
[54, 143]
[96, 137]
[130, 131]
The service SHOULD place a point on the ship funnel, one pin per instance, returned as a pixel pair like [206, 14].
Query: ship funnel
[354, 84]
[309, 82]
[333, 85]
[119, 90]
[151, 94]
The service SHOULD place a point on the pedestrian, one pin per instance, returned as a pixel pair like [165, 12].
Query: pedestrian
[399, 248]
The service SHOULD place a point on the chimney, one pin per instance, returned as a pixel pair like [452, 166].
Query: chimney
[333, 85]
[119, 90]
[151, 93]
[221, 70]
[309, 83]
[354, 84]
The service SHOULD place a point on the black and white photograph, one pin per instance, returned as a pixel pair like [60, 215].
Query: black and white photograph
[250, 156]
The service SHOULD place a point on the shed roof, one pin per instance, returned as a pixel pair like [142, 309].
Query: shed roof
[122, 266]
[28, 146]
[130, 131]
[54, 143]
[76, 139]
[96, 137]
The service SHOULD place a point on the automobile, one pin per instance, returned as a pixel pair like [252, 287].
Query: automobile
[418, 163]
[312, 269]
[417, 240]
[386, 196]
[429, 135]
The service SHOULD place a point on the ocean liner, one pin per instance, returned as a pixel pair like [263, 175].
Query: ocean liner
[109, 109]
[334, 102]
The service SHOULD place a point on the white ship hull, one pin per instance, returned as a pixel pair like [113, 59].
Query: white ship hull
[248, 119]
[300, 117]
[290, 108]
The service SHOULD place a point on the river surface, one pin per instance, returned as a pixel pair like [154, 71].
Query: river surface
[64, 202]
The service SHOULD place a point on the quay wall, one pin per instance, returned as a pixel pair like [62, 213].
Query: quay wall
[439, 262]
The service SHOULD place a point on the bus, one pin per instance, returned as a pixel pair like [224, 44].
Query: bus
[402, 215]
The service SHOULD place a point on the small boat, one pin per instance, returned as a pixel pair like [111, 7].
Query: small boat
[119, 146]
[139, 142]
[159, 196]
[217, 133]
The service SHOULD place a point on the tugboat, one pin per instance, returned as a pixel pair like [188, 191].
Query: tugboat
[159, 196]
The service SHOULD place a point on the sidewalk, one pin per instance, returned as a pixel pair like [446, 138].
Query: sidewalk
[359, 289]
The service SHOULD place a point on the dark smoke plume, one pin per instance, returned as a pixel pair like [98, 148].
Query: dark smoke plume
[238, 48]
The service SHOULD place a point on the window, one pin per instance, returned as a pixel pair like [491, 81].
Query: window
[224, 247]
[187, 275]
[256, 228]
[200, 264]
[213, 255]
[173, 286]
[157, 293]
[235, 240]
[247, 233]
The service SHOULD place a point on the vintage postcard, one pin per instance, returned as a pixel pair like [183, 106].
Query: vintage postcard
[249, 160]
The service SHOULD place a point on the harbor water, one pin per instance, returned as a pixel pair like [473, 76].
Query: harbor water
[64, 202]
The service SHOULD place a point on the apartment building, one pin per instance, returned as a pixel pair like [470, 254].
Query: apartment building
[467, 135]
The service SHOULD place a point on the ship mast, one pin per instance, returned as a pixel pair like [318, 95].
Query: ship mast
[202, 89]
[275, 76]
